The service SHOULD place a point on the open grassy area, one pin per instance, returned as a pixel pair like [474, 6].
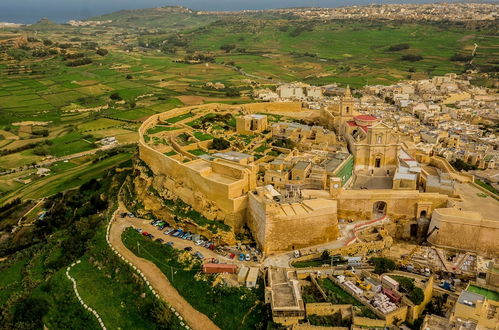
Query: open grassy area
[33, 275]
[228, 307]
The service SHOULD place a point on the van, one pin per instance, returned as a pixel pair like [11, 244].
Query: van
[297, 254]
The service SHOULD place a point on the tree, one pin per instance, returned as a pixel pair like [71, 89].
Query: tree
[115, 97]
[220, 144]
[228, 47]
[102, 52]
[416, 296]
[396, 48]
[382, 265]
[411, 57]
[30, 311]
[41, 151]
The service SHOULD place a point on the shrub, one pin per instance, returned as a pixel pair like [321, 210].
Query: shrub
[412, 57]
[220, 144]
[80, 62]
[461, 58]
[416, 295]
[115, 96]
[398, 47]
[102, 52]
[228, 48]
[382, 265]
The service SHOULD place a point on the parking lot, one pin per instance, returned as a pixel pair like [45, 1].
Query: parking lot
[208, 255]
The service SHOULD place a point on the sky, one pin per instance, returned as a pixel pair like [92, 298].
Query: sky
[30, 11]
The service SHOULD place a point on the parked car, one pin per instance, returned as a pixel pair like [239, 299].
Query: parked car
[168, 231]
[145, 233]
[139, 230]
[199, 242]
[159, 240]
[162, 227]
[188, 248]
[199, 255]
[154, 222]
[231, 256]
[255, 258]
[151, 236]
[247, 257]
[177, 233]
[159, 223]
[241, 257]
[169, 243]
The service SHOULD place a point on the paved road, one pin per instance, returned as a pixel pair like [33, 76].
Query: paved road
[158, 280]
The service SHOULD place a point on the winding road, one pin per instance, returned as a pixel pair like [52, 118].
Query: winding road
[195, 319]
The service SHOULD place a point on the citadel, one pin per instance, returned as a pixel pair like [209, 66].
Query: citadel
[291, 175]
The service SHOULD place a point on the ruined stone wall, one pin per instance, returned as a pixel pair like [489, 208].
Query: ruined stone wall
[465, 230]
[359, 204]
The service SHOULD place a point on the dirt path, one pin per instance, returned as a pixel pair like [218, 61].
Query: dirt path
[158, 280]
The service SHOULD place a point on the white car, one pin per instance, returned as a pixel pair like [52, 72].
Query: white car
[247, 257]
[199, 242]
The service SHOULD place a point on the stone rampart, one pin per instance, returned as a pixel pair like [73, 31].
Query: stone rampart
[465, 230]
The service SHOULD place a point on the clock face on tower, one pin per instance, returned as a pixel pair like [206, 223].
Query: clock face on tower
[336, 186]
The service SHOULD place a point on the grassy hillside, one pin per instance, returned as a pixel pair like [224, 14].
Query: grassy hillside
[34, 289]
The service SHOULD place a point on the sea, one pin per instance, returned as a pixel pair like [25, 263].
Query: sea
[60, 11]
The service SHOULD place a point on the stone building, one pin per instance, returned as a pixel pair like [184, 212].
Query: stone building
[251, 124]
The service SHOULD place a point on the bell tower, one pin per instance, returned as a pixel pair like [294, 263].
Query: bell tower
[347, 104]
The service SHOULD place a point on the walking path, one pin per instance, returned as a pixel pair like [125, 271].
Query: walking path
[155, 277]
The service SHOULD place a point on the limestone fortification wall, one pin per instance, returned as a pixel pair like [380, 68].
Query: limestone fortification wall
[401, 204]
[465, 230]
[277, 231]
[273, 107]
[212, 198]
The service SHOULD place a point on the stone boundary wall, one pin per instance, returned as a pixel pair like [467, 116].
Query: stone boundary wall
[324, 309]
[85, 306]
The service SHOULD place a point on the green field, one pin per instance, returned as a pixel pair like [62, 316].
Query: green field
[228, 307]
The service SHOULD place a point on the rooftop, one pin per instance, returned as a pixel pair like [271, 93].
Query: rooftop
[366, 118]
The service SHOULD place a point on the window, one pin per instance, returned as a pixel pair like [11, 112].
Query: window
[347, 110]
[377, 163]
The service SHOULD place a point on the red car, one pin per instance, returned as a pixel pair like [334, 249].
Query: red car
[145, 233]
[232, 255]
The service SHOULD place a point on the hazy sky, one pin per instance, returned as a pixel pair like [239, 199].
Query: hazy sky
[29, 11]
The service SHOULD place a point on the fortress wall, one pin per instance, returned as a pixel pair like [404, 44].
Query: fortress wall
[195, 186]
[256, 220]
[465, 230]
[288, 232]
[401, 204]
[274, 107]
